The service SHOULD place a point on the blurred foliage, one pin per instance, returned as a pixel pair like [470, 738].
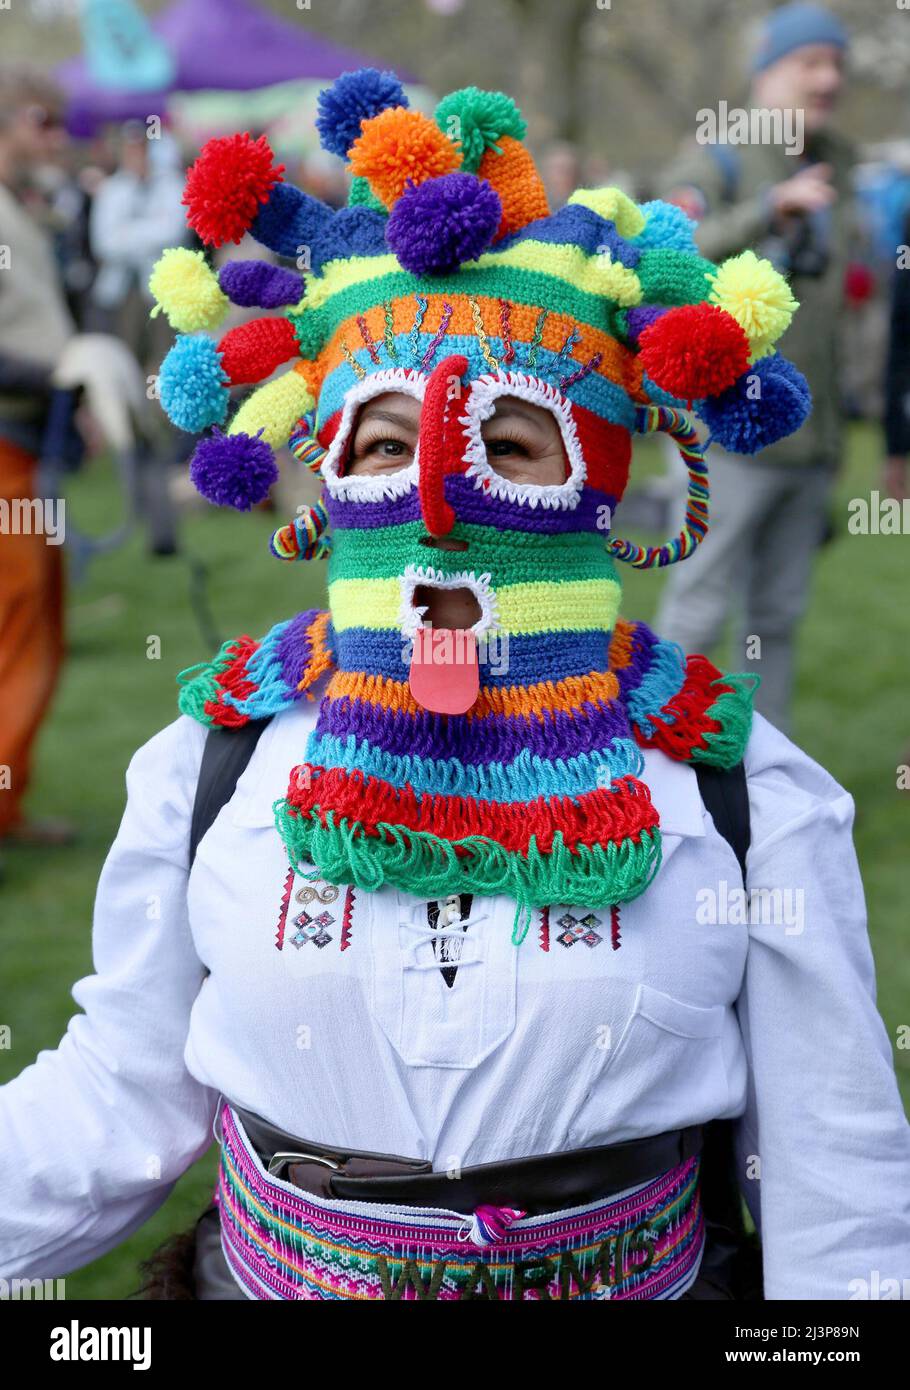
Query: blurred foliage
[624, 78]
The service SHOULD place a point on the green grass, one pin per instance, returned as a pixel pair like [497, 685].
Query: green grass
[851, 715]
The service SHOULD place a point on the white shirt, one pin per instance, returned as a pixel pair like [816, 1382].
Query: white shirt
[358, 1040]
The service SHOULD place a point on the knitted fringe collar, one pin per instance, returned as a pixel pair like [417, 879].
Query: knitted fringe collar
[597, 848]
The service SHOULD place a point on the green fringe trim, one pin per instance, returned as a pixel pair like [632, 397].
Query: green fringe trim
[200, 683]
[428, 866]
[733, 711]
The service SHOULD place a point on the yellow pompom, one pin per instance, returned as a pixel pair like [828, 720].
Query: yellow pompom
[757, 296]
[614, 205]
[186, 290]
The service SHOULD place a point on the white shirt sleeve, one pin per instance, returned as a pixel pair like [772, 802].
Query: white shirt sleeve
[94, 1134]
[824, 1115]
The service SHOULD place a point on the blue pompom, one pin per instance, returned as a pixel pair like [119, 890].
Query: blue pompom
[192, 386]
[233, 470]
[354, 97]
[666, 227]
[768, 402]
[437, 225]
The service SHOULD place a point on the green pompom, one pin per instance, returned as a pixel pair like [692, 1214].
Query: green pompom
[674, 277]
[475, 120]
[362, 196]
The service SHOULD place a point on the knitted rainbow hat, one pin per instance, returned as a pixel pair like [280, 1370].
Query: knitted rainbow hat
[448, 246]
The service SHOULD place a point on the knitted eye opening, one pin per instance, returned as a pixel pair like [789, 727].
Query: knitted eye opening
[481, 406]
[363, 487]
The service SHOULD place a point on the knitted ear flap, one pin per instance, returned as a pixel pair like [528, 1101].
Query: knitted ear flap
[677, 424]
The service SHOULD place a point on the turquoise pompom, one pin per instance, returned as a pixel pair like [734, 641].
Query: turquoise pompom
[192, 385]
[666, 227]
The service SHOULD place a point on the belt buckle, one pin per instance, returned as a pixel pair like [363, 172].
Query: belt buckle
[280, 1160]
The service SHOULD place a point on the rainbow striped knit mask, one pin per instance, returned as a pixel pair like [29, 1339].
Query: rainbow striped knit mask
[448, 279]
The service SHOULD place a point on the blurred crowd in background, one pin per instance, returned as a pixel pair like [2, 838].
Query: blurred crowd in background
[86, 207]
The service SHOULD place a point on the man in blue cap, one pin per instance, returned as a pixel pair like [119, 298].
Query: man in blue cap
[788, 199]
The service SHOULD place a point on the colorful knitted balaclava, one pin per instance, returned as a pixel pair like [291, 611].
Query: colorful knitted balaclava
[506, 757]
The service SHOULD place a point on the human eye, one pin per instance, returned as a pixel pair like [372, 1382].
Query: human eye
[376, 450]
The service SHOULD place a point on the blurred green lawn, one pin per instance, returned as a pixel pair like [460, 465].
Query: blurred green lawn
[852, 715]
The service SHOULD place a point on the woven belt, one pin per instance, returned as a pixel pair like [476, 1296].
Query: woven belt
[285, 1243]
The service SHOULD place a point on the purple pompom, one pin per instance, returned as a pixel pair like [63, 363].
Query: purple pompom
[233, 470]
[443, 222]
[640, 317]
[354, 97]
[259, 285]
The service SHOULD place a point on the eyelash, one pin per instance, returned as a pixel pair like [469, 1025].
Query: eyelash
[369, 446]
[510, 436]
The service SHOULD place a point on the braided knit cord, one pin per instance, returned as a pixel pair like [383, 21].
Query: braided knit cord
[678, 426]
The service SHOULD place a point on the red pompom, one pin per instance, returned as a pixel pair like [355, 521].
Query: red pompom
[694, 351]
[232, 177]
[252, 351]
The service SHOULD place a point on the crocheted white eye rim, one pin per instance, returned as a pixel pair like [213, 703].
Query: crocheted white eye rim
[363, 487]
[485, 392]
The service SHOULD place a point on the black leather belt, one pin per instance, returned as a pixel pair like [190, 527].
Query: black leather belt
[538, 1184]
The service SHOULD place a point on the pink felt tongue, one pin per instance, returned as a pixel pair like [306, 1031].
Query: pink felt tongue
[444, 675]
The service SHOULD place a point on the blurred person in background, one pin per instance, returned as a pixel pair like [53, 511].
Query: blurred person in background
[135, 214]
[35, 326]
[897, 378]
[770, 512]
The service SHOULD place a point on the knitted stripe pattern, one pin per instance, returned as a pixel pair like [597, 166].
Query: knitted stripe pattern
[449, 280]
[390, 792]
[282, 1243]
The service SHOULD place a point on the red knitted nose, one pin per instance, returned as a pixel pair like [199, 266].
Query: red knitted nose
[441, 444]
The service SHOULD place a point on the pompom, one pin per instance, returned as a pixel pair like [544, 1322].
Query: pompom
[233, 176]
[399, 146]
[186, 291]
[233, 470]
[693, 351]
[757, 296]
[613, 205]
[640, 317]
[667, 226]
[477, 121]
[513, 174]
[252, 351]
[260, 285]
[191, 385]
[770, 401]
[352, 98]
[438, 225]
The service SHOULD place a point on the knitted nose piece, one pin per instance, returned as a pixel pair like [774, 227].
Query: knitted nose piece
[438, 421]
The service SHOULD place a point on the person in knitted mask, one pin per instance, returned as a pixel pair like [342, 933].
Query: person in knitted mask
[448, 285]
[491, 964]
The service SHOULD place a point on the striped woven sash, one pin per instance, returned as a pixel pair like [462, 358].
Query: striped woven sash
[283, 1243]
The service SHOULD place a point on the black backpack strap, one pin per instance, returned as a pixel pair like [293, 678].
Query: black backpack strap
[225, 754]
[732, 1256]
[726, 795]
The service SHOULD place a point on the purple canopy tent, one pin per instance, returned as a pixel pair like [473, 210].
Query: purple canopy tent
[215, 44]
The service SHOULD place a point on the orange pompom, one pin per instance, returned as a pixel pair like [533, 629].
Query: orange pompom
[398, 145]
[514, 176]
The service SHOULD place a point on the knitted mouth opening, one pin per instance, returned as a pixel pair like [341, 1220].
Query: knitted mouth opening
[462, 607]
